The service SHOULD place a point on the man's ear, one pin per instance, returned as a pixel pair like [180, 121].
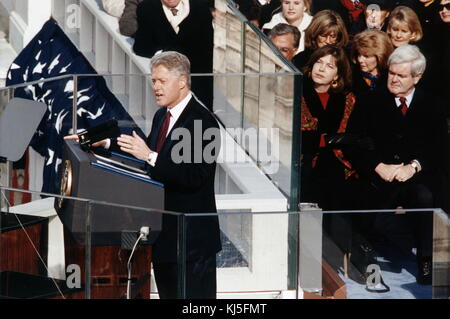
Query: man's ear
[182, 83]
[417, 78]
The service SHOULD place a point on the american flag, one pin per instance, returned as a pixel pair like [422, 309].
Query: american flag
[51, 54]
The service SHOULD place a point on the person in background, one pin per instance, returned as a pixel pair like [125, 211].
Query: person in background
[184, 26]
[128, 20]
[376, 13]
[114, 7]
[351, 11]
[370, 52]
[286, 38]
[251, 9]
[267, 9]
[404, 26]
[295, 13]
[326, 28]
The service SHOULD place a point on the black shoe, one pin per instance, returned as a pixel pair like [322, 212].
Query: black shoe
[424, 274]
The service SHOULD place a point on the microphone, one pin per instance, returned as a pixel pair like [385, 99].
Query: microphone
[108, 129]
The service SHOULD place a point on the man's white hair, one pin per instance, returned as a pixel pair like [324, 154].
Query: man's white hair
[409, 53]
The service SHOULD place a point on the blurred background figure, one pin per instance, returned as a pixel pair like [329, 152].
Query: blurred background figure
[351, 11]
[327, 27]
[376, 13]
[295, 13]
[286, 38]
[128, 20]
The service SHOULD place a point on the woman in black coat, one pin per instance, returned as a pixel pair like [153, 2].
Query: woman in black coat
[326, 107]
[327, 177]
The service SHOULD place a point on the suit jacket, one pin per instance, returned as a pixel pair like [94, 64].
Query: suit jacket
[396, 138]
[189, 186]
[195, 38]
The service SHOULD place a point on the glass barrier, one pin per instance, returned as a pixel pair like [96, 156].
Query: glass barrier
[53, 246]
[257, 133]
[34, 247]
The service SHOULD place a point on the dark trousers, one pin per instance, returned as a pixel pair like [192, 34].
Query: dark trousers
[200, 279]
[413, 229]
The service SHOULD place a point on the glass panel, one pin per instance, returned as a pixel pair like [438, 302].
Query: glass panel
[122, 239]
[35, 246]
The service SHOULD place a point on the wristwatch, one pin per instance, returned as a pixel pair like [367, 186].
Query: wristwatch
[415, 165]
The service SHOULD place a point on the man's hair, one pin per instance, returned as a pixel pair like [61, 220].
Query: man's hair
[284, 28]
[409, 53]
[175, 62]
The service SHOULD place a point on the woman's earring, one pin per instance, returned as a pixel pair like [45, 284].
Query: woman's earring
[334, 84]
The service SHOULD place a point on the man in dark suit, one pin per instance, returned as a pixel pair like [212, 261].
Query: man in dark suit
[404, 165]
[186, 166]
[184, 26]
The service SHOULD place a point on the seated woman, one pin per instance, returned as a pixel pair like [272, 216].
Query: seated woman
[404, 26]
[327, 27]
[327, 177]
[295, 13]
[370, 52]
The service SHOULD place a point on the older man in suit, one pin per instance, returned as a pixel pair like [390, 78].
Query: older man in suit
[404, 165]
[179, 25]
[186, 166]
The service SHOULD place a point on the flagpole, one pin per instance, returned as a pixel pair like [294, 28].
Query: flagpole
[75, 104]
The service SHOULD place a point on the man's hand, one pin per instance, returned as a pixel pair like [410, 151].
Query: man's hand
[404, 173]
[134, 145]
[387, 171]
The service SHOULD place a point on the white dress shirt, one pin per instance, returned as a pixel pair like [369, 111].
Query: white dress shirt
[409, 98]
[175, 113]
[183, 12]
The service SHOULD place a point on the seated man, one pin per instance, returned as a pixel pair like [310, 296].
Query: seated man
[286, 38]
[404, 165]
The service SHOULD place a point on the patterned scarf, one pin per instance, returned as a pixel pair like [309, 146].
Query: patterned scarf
[370, 79]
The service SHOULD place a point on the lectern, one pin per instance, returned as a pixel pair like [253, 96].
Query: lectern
[111, 183]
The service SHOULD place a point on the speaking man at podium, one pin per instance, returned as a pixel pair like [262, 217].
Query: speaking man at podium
[181, 153]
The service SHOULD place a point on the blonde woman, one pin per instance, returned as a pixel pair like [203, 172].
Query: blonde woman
[370, 52]
[404, 26]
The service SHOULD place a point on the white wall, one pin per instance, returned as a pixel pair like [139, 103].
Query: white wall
[26, 18]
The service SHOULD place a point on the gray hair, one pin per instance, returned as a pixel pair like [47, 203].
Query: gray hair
[284, 28]
[175, 62]
[409, 53]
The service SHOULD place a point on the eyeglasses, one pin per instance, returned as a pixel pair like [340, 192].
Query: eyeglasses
[446, 6]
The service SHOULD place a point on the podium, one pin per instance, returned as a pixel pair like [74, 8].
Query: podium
[99, 227]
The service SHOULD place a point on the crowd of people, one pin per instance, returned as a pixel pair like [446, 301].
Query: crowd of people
[374, 103]
[374, 107]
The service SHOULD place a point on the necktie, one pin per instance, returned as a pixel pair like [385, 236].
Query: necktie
[163, 132]
[174, 11]
[403, 106]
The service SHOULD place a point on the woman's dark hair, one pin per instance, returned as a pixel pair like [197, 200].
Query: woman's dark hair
[343, 66]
